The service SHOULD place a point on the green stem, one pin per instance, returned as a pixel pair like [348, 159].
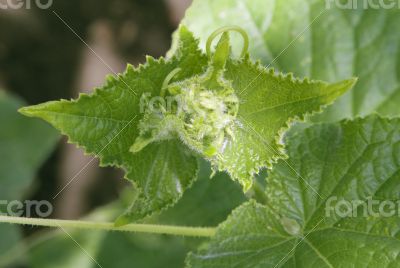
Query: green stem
[140, 228]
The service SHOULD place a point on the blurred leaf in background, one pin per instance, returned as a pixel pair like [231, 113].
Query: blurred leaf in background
[313, 39]
[24, 146]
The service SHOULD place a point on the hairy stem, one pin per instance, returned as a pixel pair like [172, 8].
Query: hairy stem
[139, 228]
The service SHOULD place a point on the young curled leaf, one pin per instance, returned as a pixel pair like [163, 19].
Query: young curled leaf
[202, 114]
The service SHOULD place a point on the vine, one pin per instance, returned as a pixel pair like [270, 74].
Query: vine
[139, 228]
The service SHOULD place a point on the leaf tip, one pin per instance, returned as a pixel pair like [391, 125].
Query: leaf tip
[246, 184]
[347, 84]
[352, 81]
[183, 29]
[340, 88]
[30, 111]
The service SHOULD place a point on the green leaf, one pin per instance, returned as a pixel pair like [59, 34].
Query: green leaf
[105, 125]
[24, 146]
[317, 39]
[269, 103]
[304, 223]
[165, 170]
[10, 235]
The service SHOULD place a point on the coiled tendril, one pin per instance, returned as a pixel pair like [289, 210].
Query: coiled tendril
[168, 79]
[227, 29]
